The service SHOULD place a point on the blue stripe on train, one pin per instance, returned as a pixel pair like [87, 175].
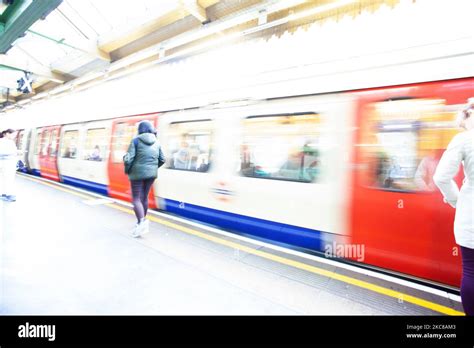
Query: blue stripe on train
[88, 185]
[265, 229]
[36, 172]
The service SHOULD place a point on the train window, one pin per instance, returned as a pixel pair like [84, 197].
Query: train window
[124, 132]
[96, 144]
[190, 145]
[396, 160]
[53, 147]
[69, 144]
[38, 143]
[403, 142]
[285, 147]
[45, 143]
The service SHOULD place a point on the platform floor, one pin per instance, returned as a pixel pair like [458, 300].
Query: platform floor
[62, 252]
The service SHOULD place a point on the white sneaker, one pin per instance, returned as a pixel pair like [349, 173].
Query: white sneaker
[145, 226]
[136, 231]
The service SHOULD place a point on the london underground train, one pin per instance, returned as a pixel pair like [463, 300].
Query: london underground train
[313, 172]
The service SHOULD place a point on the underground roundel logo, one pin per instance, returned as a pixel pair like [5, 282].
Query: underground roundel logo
[221, 192]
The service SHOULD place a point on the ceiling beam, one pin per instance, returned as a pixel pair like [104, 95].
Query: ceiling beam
[37, 69]
[119, 38]
[90, 49]
[194, 9]
[217, 26]
[21, 15]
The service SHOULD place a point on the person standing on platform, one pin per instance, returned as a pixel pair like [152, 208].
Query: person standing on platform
[142, 160]
[461, 149]
[8, 161]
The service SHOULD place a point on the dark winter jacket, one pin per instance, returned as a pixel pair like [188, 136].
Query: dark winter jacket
[144, 157]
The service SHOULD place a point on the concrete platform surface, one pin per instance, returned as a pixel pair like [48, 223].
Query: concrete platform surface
[69, 253]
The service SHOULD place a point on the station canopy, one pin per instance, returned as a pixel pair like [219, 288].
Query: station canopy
[65, 46]
[66, 43]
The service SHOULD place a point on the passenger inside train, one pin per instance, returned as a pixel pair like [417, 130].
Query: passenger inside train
[95, 155]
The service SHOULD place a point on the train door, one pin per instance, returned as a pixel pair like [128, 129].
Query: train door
[48, 152]
[398, 213]
[69, 166]
[192, 179]
[123, 131]
[26, 149]
[83, 155]
[21, 142]
[33, 151]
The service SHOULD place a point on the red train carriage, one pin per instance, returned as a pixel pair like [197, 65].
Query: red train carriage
[397, 212]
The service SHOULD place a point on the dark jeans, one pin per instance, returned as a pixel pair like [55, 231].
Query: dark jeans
[467, 283]
[140, 190]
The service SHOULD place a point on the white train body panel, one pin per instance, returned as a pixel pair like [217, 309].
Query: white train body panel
[183, 186]
[278, 201]
[79, 167]
[33, 154]
[23, 146]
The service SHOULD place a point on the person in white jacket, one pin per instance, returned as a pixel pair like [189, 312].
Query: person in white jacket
[461, 150]
[8, 161]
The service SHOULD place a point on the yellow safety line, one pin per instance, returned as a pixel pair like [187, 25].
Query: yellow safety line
[352, 281]
[58, 187]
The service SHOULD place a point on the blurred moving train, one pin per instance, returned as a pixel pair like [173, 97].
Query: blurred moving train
[337, 169]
